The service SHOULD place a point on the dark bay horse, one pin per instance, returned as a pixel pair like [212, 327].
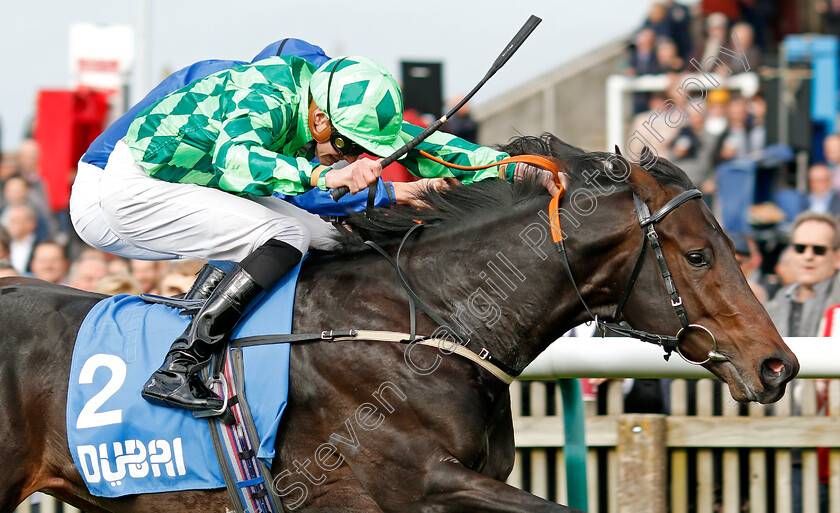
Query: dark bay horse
[373, 427]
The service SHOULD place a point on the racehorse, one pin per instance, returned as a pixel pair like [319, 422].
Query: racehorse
[436, 434]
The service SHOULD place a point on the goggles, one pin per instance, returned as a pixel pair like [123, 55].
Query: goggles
[344, 145]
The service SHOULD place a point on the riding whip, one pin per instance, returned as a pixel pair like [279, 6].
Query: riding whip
[506, 54]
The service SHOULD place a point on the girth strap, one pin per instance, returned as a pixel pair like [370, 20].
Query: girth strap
[380, 336]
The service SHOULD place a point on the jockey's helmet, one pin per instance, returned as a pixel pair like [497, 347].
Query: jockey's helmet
[362, 101]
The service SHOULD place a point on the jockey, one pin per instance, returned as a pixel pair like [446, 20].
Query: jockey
[86, 213]
[194, 175]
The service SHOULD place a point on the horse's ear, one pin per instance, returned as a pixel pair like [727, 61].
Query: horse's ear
[618, 151]
[645, 186]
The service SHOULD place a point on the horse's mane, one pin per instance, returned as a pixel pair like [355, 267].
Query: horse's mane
[494, 199]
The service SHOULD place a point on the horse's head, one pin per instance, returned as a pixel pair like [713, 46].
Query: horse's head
[730, 332]
[487, 265]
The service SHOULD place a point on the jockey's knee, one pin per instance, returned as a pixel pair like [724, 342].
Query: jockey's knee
[295, 235]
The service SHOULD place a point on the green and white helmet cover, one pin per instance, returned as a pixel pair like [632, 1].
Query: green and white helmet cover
[365, 102]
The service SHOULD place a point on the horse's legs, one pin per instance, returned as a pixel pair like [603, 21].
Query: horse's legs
[457, 489]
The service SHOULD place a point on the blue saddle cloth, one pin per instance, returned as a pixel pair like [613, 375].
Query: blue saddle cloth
[122, 444]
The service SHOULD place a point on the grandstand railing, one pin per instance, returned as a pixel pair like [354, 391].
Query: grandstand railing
[619, 88]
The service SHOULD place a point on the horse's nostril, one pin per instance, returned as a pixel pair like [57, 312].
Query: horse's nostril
[775, 365]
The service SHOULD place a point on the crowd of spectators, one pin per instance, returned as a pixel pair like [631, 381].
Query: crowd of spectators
[33, 245]
[722, 142]
[786, 237]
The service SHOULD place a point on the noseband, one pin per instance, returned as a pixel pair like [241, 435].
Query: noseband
[646, 221]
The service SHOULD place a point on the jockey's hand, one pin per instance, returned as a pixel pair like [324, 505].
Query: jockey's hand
[406, 193]
[357, 176]
[543, 176]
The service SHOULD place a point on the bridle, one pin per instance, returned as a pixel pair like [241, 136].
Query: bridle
[647, 221]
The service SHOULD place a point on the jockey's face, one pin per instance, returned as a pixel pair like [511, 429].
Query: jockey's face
[328, 155]
[325, 151]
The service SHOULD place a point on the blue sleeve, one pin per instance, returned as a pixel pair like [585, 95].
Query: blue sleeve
[297, 47]
[319, 202]
[101, 147]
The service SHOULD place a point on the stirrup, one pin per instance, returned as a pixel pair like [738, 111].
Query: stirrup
[188, 306]
[225, 415]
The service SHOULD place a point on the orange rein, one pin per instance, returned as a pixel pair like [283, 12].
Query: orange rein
[549, 164]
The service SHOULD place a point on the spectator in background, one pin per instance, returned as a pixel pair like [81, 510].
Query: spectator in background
[118, 266]
[797, 309]
[174, 284]
[658, 133]
[785, 275]
[821, 198]
[743, 138]
[148, 274]
[28, 166]
[86, 272]
[49, 262]
[759, 14]
[658, 20]
[642, 61]
[680, 18]
[8, 167]
[693, 150]
[745, 36]
[667, 56]
[16, 191]
[749, 259]
[831, 152]
[716, 36]
[20, 221]
[113, 284]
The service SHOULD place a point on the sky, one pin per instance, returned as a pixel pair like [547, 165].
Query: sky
[466, 36]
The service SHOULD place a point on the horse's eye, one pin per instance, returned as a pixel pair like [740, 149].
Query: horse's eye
[696, 258]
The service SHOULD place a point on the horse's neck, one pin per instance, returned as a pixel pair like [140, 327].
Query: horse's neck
[491, 284]
[495, 288]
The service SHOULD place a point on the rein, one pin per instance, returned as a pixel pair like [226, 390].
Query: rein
[546, 163]
[646, 221]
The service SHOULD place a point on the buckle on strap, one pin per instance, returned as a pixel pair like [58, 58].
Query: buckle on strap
[484, 353]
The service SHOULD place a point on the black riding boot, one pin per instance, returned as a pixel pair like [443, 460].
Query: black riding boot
[206, 281]
[178, 384]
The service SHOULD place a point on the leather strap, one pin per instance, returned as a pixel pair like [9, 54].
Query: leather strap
[672, 204]
[379, 336]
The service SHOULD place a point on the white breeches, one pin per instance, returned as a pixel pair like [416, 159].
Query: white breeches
[123, 211]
